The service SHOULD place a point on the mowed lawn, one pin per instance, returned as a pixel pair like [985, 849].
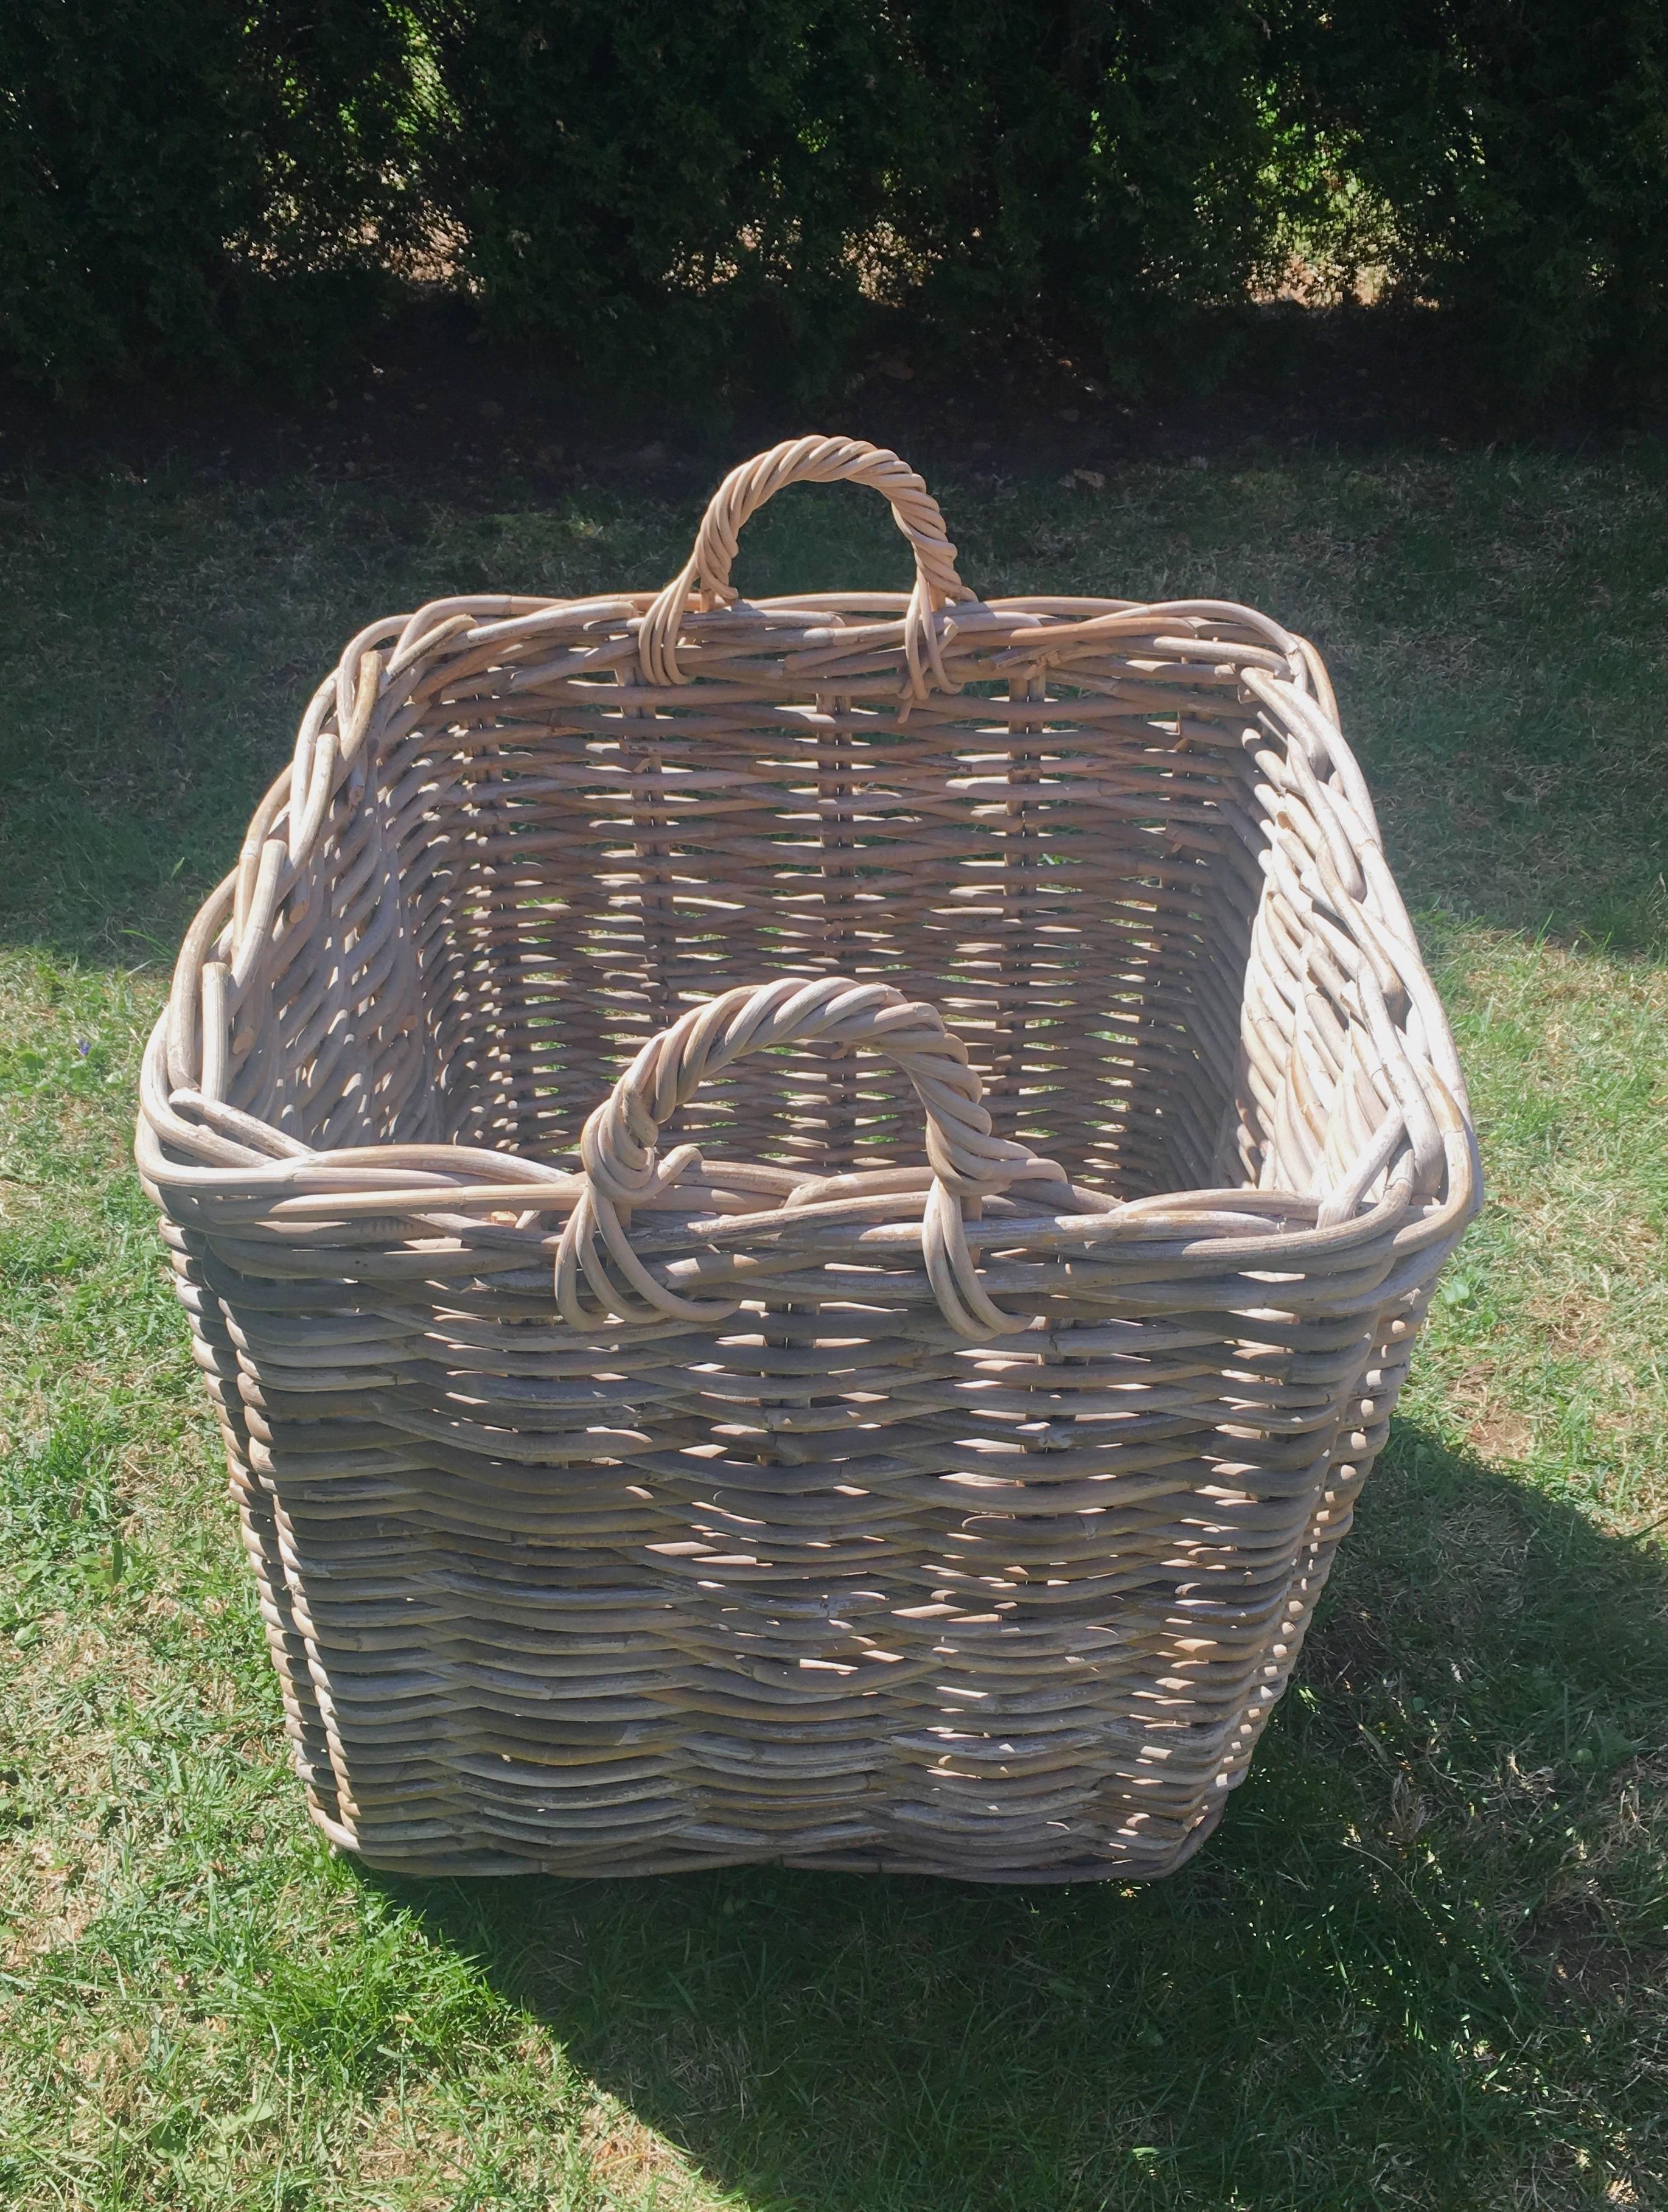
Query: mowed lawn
[1424, 1962]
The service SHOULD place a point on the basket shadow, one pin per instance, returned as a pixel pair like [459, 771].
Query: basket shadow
[1298, 2006]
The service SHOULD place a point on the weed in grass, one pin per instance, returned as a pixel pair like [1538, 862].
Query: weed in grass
[1424, 1963]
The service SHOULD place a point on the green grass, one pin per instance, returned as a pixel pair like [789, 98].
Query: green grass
[1424, 1963]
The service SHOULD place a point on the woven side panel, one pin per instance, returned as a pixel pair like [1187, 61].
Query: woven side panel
[341, 1053]
[216, 1354]
[526, 1655]
[1066, 900]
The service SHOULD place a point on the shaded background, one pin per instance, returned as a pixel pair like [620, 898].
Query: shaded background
[696, 206]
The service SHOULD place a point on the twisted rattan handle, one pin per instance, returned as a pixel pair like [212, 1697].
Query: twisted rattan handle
[745, 490]
[622, 1167]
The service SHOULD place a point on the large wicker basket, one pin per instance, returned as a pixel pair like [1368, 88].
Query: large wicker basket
[938, 1468]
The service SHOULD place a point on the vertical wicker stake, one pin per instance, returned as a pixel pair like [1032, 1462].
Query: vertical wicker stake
[850, 1486]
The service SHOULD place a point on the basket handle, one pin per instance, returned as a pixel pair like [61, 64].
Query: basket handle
[745, 490]
[621, 1166]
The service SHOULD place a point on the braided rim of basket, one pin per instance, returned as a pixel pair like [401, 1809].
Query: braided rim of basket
[206, 1160]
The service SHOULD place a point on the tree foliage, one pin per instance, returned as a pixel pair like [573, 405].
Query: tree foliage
[672, 197]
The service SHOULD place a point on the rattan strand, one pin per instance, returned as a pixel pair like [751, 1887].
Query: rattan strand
[843, 1486]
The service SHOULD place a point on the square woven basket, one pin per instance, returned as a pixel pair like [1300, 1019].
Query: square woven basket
[931, 1459]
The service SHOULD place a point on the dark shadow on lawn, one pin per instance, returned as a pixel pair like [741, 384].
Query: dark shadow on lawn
[1387, 1980]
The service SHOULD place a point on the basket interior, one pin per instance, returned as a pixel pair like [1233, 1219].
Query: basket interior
[1072, 884]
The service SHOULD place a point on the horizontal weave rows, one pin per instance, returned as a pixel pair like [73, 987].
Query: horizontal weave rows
[1053, 897]
[768, 1547]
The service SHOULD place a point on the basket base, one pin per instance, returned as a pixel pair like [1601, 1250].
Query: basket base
[1150, 1865]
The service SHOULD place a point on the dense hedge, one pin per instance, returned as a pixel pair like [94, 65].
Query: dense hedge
[1518, 153]
[673, 195]
[674, 188]
[190, 185]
